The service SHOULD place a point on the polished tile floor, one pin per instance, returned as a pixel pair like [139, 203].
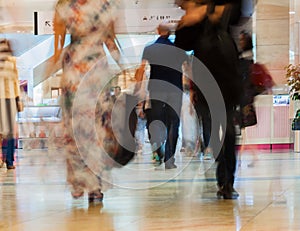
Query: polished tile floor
[35, 195]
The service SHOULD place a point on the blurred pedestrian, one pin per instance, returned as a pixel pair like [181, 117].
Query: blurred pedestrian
[85, 73]
[165, 93]
[247, 108]
[9, 100]
[205, 29]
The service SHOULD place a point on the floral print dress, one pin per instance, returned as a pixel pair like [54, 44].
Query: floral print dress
[85, 99]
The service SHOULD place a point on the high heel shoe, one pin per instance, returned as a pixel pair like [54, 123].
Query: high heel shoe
[77, 194]
[96, 196]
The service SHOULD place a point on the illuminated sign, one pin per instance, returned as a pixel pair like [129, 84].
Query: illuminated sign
[145, 20]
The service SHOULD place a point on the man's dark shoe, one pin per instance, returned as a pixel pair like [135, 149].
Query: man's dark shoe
[170, 166]
[227, 192]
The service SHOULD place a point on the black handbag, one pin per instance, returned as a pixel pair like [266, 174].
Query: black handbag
[125, 129]
[248, 116]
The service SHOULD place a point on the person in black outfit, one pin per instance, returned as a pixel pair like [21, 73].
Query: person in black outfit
[165, 93]
[205, 29]
[247, 107]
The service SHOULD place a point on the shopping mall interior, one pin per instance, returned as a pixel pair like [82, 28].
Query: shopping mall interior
[143, 196]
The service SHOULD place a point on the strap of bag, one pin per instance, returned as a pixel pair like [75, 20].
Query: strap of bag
[226, 16]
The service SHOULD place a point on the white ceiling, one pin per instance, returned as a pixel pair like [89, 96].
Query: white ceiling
[17, 15]
[20, 12]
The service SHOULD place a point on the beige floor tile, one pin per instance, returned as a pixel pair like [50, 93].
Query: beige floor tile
[35, 196]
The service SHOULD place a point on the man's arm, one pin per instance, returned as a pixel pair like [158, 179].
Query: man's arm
[140, 71]
[139, 75]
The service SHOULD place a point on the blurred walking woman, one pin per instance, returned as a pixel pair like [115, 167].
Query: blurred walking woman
[85, 73]
[9, 97]
[207, 22]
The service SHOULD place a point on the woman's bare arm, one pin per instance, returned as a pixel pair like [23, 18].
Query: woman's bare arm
[216, 16]
[59, 28]
[194, 14]
[111, 43]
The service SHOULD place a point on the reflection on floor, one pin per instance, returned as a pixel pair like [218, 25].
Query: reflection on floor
[35, 196]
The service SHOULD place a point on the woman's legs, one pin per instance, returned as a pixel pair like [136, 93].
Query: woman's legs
[1, 154]
[79, 176]
[10, 151]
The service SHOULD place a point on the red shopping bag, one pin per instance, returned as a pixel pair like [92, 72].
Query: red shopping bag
[261, 78]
